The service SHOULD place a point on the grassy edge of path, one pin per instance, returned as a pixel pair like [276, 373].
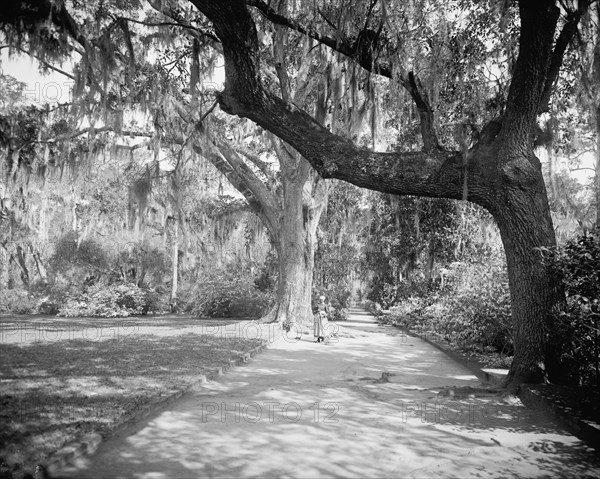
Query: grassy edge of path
[53, 393]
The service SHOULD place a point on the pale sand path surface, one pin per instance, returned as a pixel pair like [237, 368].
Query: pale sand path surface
[366, 405]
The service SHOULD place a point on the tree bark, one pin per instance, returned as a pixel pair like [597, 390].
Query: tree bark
[290, 220]
[525, 224]
[430, 261]
[39, 263]
[175, 266]
[597, 178]
[296, 252]
[22, 263]
[10, 281]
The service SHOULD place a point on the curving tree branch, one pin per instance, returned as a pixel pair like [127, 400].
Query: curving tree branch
[431, 173]
[263, 166]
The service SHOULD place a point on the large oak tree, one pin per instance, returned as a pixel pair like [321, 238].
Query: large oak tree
[499, 172]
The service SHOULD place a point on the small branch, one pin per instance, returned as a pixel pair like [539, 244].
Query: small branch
[571, 158]
[344, 45]
[359, 52]
[263, 166]
[78, 133]
[373, 3]
[208, 112]
[46, 64]
[174, 62]
[261, 206]
[326, 19]
[164, 9]
[173, 24]
[426, 116]
[59, 106]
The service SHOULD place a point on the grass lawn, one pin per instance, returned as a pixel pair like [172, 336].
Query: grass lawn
[52, 392]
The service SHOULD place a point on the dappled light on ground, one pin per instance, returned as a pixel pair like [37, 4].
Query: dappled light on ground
[53, 392]
[366, 405]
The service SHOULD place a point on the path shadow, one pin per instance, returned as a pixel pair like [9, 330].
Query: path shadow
[305, 410]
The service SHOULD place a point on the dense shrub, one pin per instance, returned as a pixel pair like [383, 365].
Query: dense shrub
[187, 297]
[156, 302]
[52, 296]
[473, 313]
[577, 323]
[230, 292]
[479, 311]
[338, 314]
[372, 307]
[383, 293]
[406, 314]
[17, 301]
[142, 264]
[79, 261]
[47, 306]
[39, 299]
[106, 301]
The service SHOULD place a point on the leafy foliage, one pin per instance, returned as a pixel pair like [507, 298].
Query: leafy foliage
[79, 261]
[229, 292]
[372, 307]
[338, 244]
[106, 301]
[409, 236]
[17, 301]
[266, 280]
[577, 264]
[473, 312]
[479, 308]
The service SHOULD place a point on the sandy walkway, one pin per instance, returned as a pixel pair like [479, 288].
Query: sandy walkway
[374, 403]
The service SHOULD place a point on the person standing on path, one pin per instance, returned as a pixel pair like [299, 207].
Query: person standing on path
[321, 320]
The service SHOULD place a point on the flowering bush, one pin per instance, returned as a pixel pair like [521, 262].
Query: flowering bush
[106, 301]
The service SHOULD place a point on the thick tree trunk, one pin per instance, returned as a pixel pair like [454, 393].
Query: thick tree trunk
[294, 289]
[525, 224]
[296, 250]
